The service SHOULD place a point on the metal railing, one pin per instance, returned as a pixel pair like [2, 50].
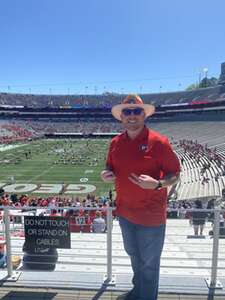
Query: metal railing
[185, 254]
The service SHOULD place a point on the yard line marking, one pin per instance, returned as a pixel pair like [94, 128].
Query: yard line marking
[41, 174]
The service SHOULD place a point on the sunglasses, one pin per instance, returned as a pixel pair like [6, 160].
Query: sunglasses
[129, 111]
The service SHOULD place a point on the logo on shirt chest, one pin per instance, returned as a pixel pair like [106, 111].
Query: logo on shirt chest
[144, 148]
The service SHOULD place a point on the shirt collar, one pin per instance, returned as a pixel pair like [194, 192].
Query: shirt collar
[141, 136]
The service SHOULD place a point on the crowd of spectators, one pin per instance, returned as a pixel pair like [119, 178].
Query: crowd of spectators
[83, 126]
[56, 101]
[11, 132]
[87, 214]
[204, 156]
[21, 130]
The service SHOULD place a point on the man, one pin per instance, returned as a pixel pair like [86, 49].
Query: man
[98, 225]
[198, 218]
[142, 164]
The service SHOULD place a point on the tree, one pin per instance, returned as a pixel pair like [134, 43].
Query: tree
[192, 87]
[205, 82]
[208, 82]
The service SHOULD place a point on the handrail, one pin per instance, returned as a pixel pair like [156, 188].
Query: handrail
[216, 232]
[8, 241]
[215, 243]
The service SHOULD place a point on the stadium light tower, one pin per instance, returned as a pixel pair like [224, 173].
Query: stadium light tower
[205, 70]
[199, 77]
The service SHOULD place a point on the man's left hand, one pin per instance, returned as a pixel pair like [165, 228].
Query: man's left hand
[144, 181]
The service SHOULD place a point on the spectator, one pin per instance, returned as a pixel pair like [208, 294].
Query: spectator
[198, 218]
[98, 225]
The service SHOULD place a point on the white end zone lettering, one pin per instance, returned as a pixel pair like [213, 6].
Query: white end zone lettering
[49, 189]
[20, 188]
[80, 188]
[2, 184]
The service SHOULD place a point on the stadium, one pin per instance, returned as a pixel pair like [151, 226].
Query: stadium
[52, 150]
[62, 140]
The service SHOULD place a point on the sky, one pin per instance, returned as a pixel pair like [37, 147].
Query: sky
[97, 46]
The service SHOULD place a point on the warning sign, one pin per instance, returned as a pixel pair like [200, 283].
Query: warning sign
[47, 231]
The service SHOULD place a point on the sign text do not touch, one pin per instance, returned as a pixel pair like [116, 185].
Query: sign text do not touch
[47, 231]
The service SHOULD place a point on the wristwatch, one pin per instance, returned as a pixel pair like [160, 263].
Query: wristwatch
[159, 185]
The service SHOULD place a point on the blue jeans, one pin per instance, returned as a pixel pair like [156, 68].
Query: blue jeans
[144, 245]
[3, 260]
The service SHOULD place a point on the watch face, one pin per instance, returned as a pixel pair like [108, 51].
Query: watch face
[159, 185]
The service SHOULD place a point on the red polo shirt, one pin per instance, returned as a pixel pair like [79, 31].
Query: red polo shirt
[151, 154]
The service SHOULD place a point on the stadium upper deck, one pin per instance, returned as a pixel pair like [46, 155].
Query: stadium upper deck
[203, 95]
[216, 93]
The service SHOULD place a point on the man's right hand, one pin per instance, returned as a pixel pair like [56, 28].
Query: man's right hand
[108, 176]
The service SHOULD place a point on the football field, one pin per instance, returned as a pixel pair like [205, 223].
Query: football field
[64, 162]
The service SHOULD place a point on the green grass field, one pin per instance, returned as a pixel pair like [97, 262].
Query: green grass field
[56, 161]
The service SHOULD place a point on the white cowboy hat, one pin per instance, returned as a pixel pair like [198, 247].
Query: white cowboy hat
[132, 101]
